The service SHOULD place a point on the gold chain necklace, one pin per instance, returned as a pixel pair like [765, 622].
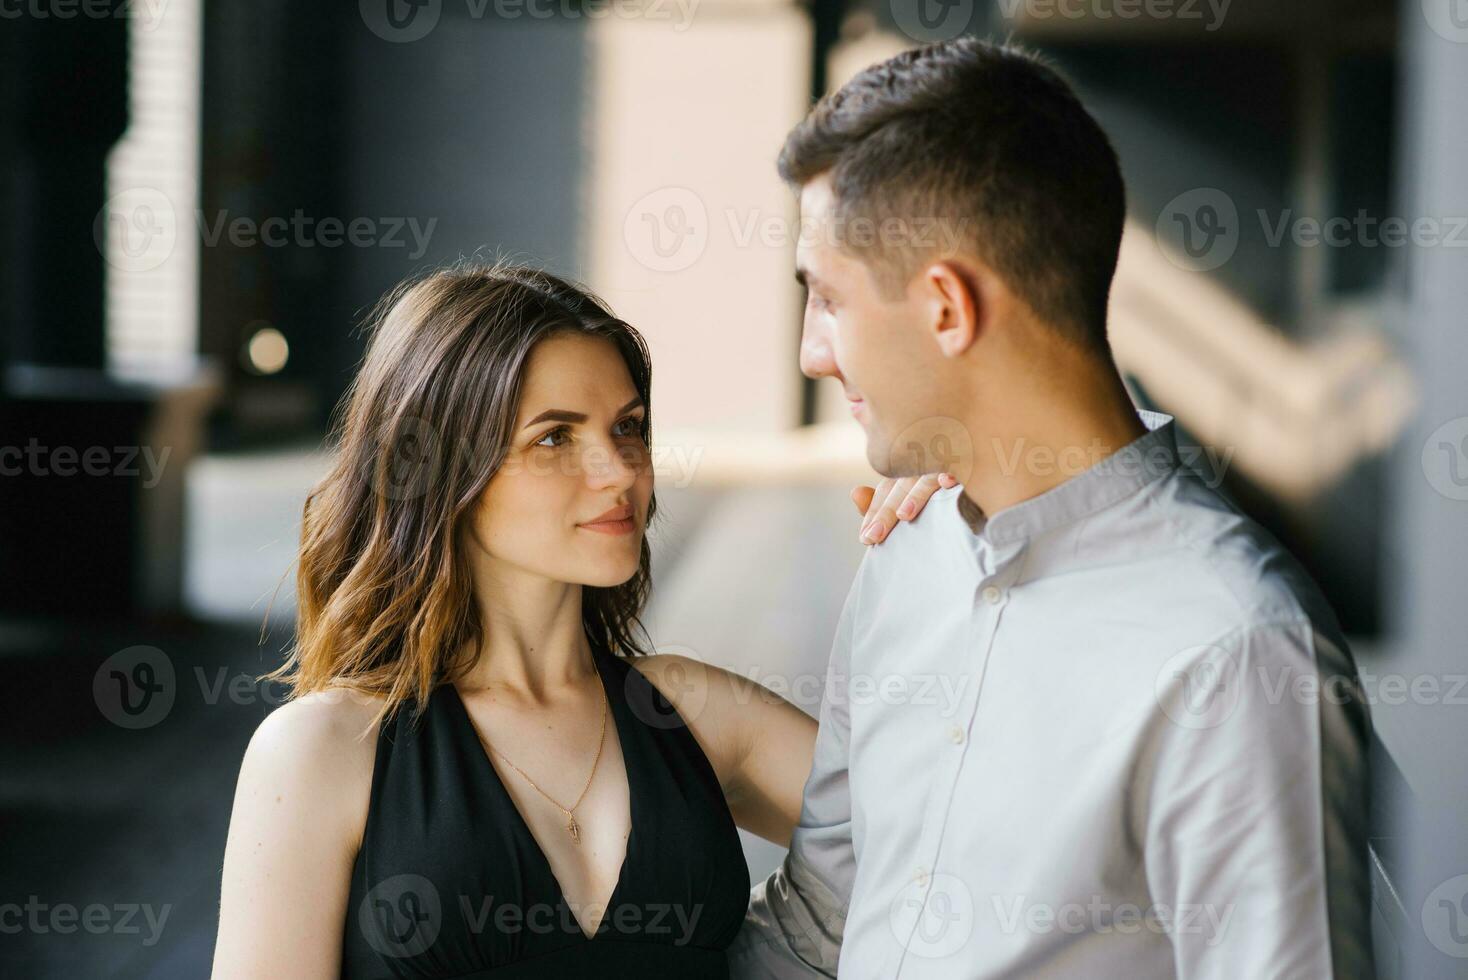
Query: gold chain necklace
[572, 827]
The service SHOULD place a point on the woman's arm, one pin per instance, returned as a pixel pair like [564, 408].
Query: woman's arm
[299, 810]
[759, 744]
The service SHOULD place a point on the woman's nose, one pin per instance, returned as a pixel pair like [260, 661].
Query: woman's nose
[613, 465]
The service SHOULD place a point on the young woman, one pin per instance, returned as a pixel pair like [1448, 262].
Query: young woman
[473, 777]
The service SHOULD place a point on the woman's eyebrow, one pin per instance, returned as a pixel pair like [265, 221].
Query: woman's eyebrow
[575, 418]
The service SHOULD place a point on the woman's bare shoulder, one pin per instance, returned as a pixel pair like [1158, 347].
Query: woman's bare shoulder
[733, 716]
[721, 708]
[321, 725]
[295, 832]
[320, 749]
[684, 680]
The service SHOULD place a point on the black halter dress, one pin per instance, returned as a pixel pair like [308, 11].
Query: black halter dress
[450, 884]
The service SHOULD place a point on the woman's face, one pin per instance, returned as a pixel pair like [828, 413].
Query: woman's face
[570, 501]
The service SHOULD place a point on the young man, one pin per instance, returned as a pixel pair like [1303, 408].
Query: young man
[1083, 718]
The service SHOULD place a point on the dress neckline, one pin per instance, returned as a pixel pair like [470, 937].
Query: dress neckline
[619, 726]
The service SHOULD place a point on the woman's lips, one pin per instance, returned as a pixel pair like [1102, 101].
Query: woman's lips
[618, 520]
[611, 527]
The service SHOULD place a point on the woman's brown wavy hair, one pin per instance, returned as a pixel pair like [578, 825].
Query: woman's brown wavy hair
[385, 594]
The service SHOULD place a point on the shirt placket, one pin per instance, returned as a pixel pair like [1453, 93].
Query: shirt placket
[987, 603]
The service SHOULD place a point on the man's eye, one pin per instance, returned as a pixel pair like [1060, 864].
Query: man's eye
[553, 438]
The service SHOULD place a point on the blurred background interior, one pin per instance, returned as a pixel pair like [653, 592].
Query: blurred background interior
[199, 200]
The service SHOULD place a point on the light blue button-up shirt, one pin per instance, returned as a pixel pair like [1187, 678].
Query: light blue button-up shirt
[1111, 731]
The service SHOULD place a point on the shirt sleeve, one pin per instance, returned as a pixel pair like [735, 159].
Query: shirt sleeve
[796, 917]
[1255, 818]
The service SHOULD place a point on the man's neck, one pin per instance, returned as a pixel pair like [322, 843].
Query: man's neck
[1035, 446]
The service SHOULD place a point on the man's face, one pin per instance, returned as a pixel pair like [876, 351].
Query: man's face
[874, 345]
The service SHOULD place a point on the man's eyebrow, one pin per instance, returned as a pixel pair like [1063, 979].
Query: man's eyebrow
[809, 280]
[576, 418]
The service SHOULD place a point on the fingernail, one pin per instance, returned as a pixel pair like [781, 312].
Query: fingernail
[906, 509]
[879, 531]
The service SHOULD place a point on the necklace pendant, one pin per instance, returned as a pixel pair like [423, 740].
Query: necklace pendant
[573, 828]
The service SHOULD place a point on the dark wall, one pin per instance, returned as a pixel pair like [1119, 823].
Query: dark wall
[465, 140]
[65, 104]
[473, 132]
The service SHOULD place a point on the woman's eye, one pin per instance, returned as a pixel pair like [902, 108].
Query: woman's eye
[553, 438]
[630, 427]
[818, 302]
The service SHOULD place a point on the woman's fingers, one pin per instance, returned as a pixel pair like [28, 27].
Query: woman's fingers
[917, 496]
[881, 516]
[895, 500]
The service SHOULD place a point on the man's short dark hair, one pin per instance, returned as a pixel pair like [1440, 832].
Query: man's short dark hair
[983, 146]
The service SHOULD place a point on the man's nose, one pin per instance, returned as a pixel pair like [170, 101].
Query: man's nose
[817, 359]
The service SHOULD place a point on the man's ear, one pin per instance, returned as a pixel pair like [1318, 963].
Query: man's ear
[959, 305]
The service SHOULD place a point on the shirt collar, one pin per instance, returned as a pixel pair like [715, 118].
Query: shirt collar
[1145, 459]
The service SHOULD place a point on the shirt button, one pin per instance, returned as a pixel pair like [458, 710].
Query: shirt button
[955, 735]
[922, 876]
[992, 595]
